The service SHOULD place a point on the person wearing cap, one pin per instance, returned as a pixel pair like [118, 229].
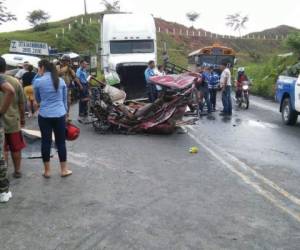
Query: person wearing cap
[225, 82]
[84, 79]
[22, 71]
[67, 73]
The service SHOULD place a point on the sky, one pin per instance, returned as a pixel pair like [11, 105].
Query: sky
[263, 14]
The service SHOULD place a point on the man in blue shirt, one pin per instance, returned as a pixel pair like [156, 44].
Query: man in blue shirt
[213, 88]
[83, 77]
[151, 89]
[203, 88]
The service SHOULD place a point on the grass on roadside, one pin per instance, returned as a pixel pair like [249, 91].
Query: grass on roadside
[264, 75]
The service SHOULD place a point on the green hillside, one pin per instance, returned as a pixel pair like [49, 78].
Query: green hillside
[82, 39]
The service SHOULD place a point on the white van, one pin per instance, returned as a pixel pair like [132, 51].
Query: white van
[15, 60]
[128, 43]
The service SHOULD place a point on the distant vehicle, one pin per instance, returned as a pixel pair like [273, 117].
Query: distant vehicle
[15, 60]
[288, 94]
[128, 43]
[211, 55]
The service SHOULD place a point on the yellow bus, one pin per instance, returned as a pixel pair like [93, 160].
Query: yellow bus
[212, 55]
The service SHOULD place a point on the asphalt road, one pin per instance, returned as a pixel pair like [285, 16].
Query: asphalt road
[148, 192]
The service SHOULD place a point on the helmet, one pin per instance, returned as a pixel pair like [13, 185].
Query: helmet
[65, 58]
[241, 69]
[72, 132]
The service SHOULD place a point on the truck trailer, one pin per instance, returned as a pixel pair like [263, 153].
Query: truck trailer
[128, 43]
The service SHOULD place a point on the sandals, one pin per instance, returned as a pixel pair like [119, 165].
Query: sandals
[17, 175]
[67, 173]
[46, 176]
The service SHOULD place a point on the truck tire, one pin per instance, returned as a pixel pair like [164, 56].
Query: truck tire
[289, 116]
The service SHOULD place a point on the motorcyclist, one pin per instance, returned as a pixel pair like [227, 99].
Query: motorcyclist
[241, 79]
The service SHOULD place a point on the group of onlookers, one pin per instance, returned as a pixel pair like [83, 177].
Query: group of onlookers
[45, 94]
[207, 82]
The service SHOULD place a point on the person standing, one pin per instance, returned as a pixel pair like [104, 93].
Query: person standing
[13, 119]
[51, 93]
[225, 82]
[67, 73]
[213, 88]
[203, 89]
[27, 79]
[83, 77]
[7, 89]
[22, 71]
[151, 89]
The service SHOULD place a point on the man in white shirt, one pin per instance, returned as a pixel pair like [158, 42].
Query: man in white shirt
[225, 82]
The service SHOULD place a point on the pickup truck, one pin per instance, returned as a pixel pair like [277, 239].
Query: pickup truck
[288, 96]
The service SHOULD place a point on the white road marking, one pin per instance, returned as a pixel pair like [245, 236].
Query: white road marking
[247, 179]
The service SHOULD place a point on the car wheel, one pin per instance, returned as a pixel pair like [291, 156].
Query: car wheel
[289, 116]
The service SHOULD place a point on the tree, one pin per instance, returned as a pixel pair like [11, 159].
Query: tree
[111, 5]
[37, 17]
[192, 16]
[237, 22]
[293, 42]
[5, 15]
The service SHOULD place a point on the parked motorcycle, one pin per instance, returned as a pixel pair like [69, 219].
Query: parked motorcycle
[162, 116]
[243, 95]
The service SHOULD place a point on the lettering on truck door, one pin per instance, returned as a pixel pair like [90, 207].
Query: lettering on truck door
[297, 95]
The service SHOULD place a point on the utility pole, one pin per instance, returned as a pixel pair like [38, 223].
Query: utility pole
[85, 10]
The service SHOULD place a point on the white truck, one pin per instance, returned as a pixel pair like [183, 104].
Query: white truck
[128, 43]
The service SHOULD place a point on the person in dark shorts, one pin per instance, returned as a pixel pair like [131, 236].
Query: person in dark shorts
[13, 119]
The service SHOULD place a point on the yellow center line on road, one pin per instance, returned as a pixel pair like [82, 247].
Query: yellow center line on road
[247, 179]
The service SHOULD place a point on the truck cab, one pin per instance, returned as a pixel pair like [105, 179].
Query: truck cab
[128, 43]
[288, 94]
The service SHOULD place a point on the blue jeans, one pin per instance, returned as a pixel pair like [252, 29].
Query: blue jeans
[152, 92]
[226, 100]
[205, 93]
[83, 102]
[58, 126]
